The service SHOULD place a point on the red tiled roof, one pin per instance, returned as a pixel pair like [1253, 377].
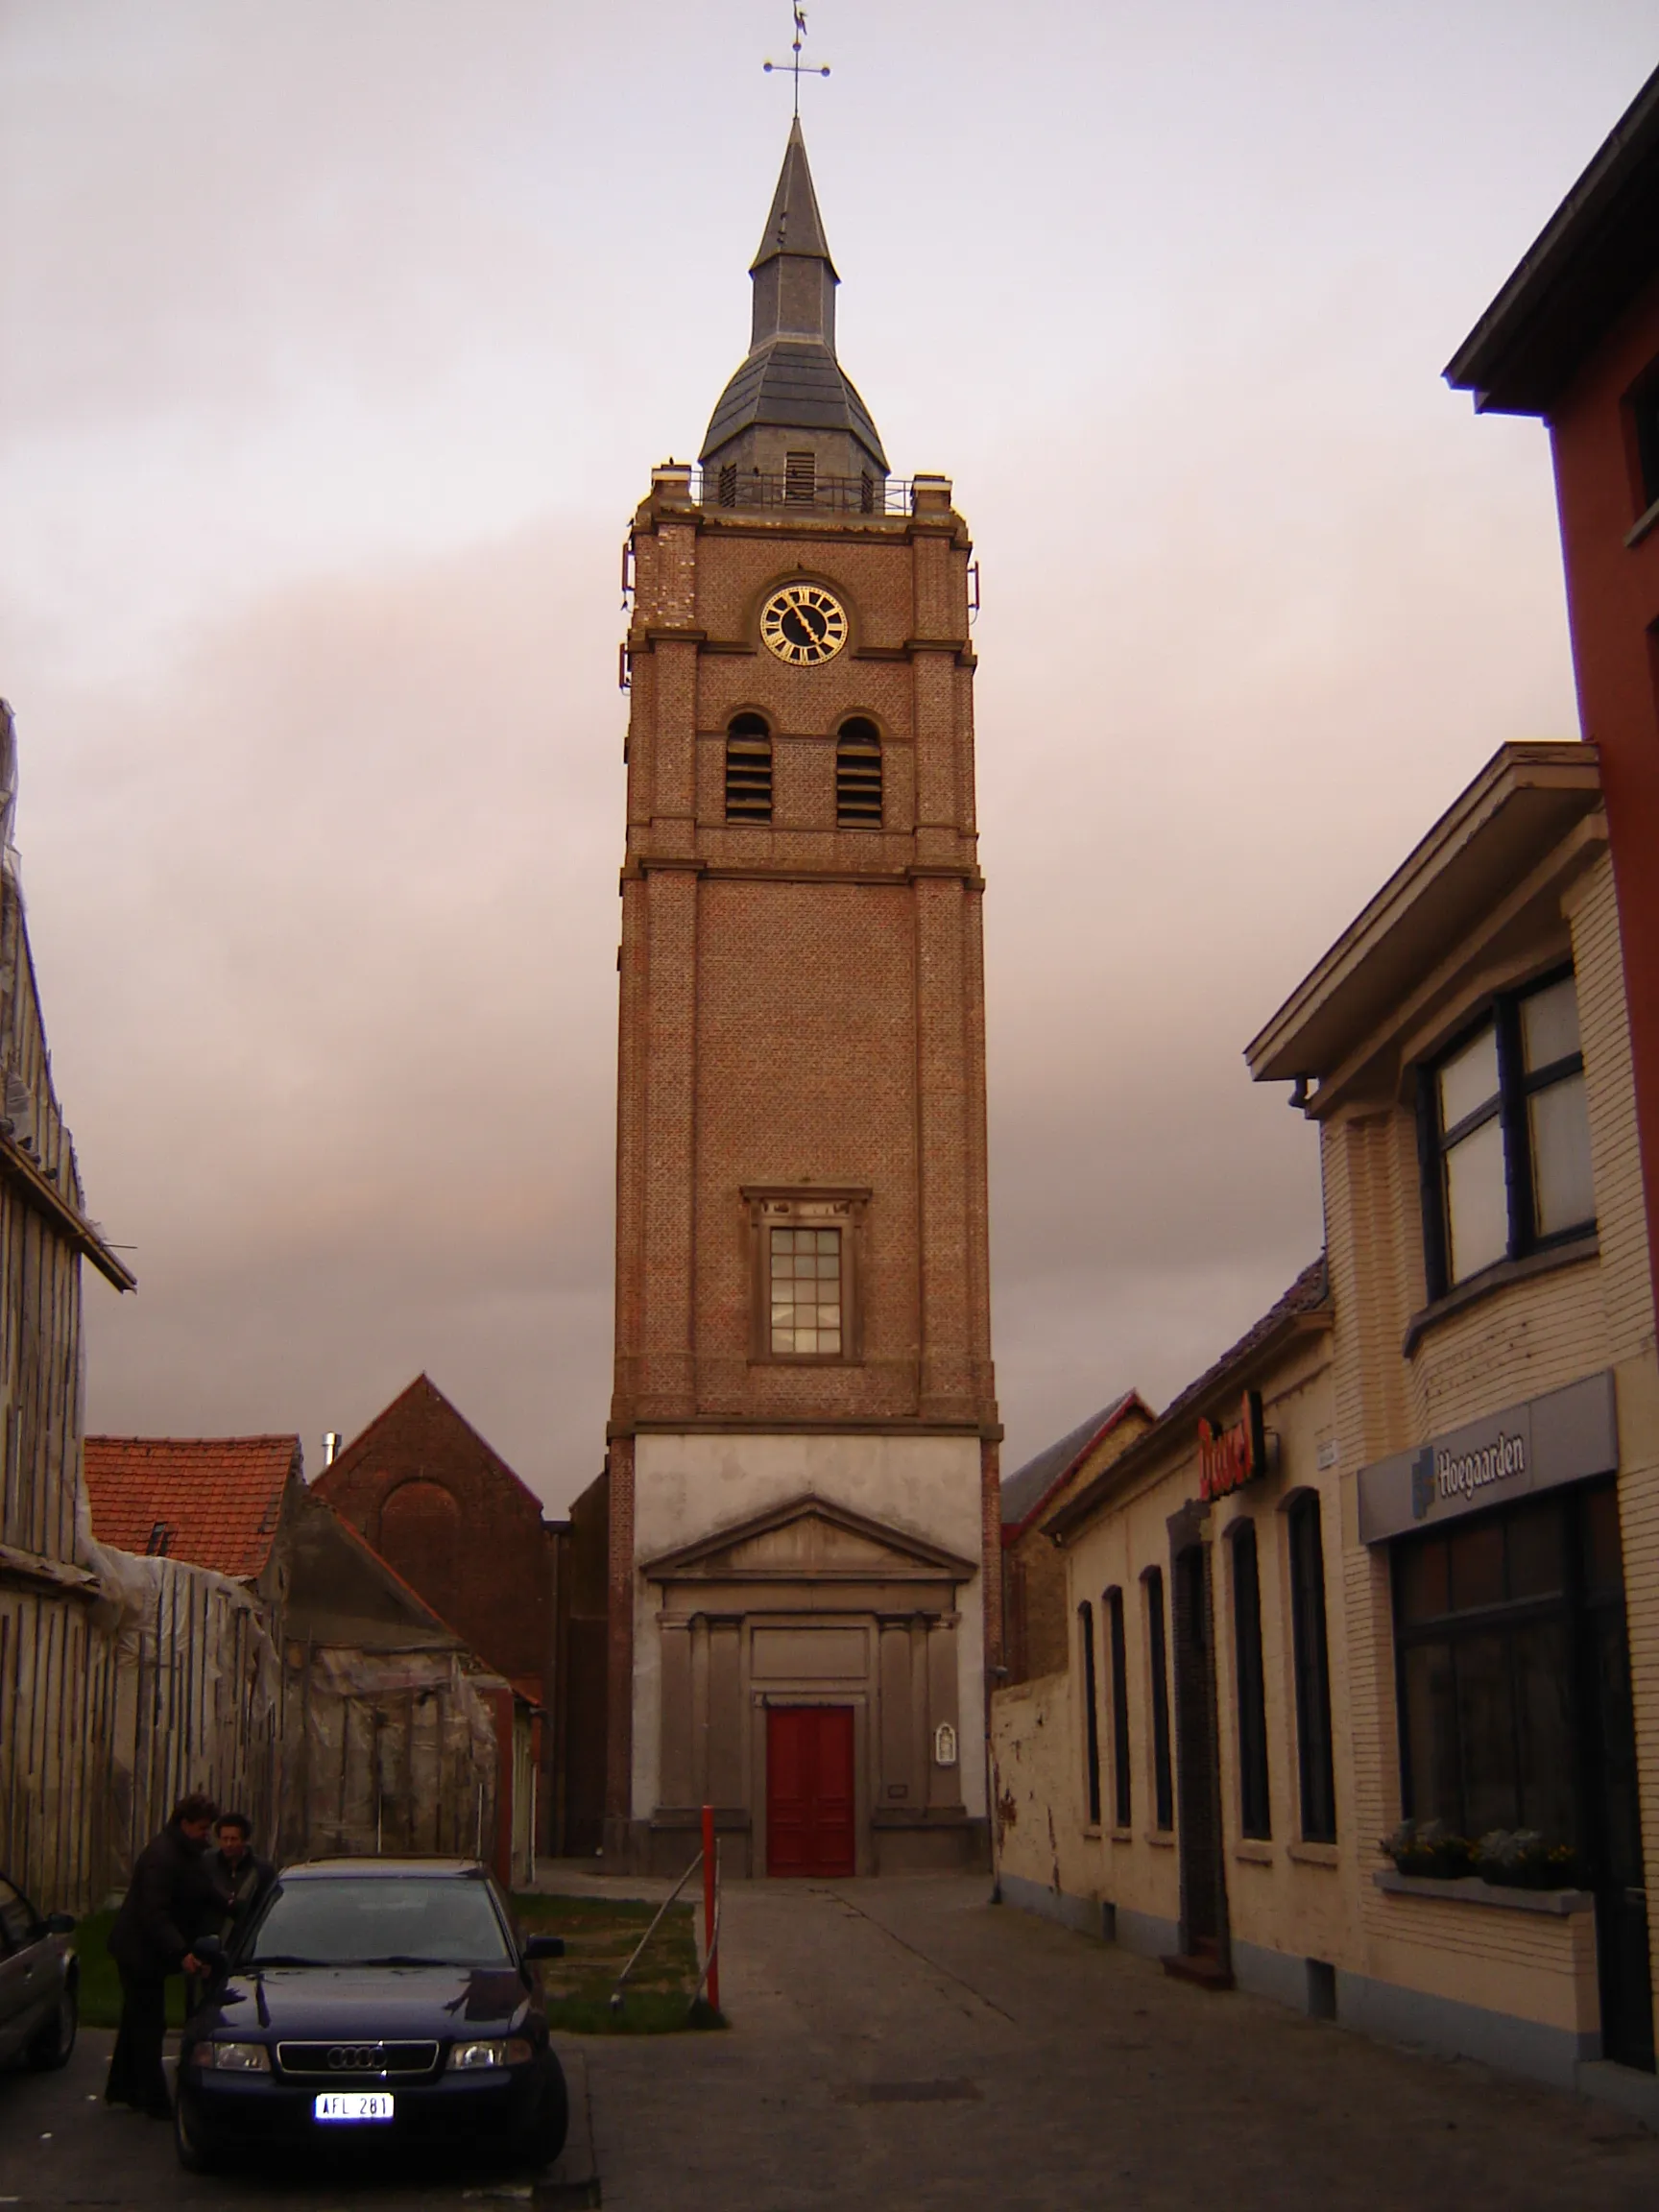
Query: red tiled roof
[217, 1499]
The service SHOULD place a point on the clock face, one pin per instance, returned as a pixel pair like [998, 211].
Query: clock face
[803, 624]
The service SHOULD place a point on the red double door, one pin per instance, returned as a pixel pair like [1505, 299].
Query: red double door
[809, 1818]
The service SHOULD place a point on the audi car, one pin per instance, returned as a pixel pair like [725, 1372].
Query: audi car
[374, 2002]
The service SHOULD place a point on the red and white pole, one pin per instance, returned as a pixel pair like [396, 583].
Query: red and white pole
[714, 1983]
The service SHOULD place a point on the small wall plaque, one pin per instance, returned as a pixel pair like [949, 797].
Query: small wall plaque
[943, 1744]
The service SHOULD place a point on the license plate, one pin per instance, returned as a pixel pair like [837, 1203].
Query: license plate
[352, 2105]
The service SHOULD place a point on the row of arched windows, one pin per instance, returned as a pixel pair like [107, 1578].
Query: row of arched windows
[857, 772]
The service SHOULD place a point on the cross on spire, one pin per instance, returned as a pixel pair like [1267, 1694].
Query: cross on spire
[796, 64]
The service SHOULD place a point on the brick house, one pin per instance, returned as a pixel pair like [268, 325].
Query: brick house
[1573, 338]
[1368, 1620]
[1037, 1637]
[443, 1508]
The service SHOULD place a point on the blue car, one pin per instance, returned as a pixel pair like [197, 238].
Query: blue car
[388, 2002]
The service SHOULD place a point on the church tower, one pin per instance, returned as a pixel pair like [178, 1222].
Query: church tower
[804, 1521]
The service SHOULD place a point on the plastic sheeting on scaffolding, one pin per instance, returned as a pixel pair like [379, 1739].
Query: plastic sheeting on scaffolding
[388, 1752]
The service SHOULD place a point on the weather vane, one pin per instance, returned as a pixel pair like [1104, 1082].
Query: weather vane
[794, 67]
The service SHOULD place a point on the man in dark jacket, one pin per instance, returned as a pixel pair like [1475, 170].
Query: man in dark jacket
[240, 1878]
[170, 1901]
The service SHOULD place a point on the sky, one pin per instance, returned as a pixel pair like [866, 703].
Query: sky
[337, 345]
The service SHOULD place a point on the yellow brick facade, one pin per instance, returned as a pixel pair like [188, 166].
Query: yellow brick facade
[1507, 1976]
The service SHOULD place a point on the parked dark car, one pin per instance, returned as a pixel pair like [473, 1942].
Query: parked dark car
[381, 2001]
[39, 1982]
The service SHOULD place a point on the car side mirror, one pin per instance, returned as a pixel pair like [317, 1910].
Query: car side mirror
[544, 1947]
[59, 1924]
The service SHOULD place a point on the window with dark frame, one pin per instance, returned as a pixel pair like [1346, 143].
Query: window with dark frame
[1255, 1801]
[748, 769]
[1123, 1797]
[1092, 1714]
[858, 775]
[1315, 1760]
[1163, 1778]
[1505, 1136]
[1484, 1637]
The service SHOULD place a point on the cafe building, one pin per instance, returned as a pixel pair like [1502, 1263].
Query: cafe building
[1426, 1783]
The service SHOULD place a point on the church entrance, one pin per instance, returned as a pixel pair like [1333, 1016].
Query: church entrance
[809, 1812]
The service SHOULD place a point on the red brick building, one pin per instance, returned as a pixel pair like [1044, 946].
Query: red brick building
[1573, 339]
[803, 1499]
[448, 1514]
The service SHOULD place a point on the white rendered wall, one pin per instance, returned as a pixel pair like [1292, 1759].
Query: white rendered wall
[689, 1487]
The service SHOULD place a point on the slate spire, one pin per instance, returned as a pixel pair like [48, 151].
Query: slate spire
[791, 397]
[794, 225]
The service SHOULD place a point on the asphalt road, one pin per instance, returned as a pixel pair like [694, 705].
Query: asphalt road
[61, 2145]
[904, 2046]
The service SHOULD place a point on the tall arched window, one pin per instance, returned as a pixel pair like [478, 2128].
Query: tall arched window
[1313, 1743]
[858, 775]
[748, 769]
[1091, 1714]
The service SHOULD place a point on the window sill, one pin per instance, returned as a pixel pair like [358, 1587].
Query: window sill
[1469, 1889]
[1643, 523]
[1164, 1838]
[1121, 1834]
[1498, 1277]
[1092, 1834]
[1254, 1851]
[1315, 1854]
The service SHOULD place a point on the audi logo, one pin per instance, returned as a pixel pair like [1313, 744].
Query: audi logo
[355, 2059]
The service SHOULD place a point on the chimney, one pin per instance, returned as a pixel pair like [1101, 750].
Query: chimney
[331, 1443]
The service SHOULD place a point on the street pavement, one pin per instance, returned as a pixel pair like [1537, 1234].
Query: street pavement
[904, 2044]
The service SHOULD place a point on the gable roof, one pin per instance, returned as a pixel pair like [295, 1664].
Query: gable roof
[1029, 1489]
[363, 1443]
[217, 1499]
[1305, 1304]
[1596, 251]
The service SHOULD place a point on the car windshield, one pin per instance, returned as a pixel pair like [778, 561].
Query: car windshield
[374, 1919]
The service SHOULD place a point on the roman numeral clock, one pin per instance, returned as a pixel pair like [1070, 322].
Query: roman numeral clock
[803, 625]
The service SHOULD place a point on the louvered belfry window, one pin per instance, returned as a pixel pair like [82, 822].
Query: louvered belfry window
[858, 775]
[748, 770]
[801, 478]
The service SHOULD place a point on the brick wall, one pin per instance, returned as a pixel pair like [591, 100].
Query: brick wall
[450, 1515]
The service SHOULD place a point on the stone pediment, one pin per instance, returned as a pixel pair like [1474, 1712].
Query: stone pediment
[809, 1539]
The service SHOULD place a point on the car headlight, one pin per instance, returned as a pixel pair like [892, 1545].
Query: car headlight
[233, 2057]
[467, 2057]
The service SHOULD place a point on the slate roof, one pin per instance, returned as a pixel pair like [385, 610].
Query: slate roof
[793, 382]
[793, 223]
[1025, 1491]
[1310, 1293]
[219, 1499]
[1594, 253]
[796, 383]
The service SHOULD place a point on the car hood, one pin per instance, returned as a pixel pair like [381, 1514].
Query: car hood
[385, 2002]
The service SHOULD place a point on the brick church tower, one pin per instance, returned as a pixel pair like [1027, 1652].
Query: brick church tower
[803, 1443]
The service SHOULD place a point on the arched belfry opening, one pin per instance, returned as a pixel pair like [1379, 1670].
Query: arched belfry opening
[859, 774]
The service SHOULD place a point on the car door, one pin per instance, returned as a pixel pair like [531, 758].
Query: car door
[27, 1972]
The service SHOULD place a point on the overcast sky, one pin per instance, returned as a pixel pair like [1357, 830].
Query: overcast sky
[339, 336]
